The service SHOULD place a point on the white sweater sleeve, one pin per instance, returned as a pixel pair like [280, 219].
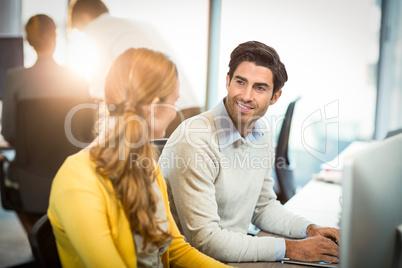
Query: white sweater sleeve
[268, 208]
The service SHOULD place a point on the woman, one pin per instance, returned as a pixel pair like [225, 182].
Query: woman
[108, 204]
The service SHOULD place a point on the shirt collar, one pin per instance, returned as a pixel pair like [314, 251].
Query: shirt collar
[227, 132]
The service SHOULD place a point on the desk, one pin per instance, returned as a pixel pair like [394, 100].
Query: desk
[317, 201]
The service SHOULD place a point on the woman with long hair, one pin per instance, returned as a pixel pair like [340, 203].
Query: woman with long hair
[108, 205]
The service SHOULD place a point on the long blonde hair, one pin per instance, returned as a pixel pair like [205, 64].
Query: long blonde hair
[136, 78]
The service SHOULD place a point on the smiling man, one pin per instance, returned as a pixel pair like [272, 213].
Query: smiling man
[222, 180]
[250, 92]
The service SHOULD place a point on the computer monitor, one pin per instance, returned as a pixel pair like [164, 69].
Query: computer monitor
[11, 55]
[372, 206]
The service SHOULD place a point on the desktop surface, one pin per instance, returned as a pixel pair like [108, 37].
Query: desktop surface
[312, 263]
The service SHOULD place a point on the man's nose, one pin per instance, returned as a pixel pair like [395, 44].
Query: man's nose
[248, 94]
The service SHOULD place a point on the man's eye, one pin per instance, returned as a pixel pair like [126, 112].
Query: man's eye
[261, 88]
[240, 82]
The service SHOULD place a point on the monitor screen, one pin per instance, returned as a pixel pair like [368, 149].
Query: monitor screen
[372, 206]
[11, 55]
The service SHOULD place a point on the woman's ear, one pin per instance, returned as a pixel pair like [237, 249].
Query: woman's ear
[155, 100]
[148, 107]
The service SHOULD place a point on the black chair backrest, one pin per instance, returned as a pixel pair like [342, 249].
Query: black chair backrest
[48, 131]
[283, 168]
[393, 133]
[43, 142]
[43, 244]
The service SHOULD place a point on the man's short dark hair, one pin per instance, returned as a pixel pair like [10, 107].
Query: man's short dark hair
[261, 55]
[41, 32]
[94, 8]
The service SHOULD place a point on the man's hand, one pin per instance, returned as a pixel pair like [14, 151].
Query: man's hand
[321, 245]
[332, 233]
[316, 248]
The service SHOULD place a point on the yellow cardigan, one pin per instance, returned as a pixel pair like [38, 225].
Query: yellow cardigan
[91, 228]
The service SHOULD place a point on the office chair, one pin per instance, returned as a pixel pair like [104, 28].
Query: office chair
[393, 133]
[283, 168]
[42, 144]
[182, 115]
[159, 144]
[43, 243]
[9, 195]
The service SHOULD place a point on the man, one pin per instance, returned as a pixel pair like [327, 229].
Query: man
[218, 164]
[112, 36]
[44, 79]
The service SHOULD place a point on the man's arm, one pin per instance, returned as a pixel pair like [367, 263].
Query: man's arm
[318, 246]
[273, 217]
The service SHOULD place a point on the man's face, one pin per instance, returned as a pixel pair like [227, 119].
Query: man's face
[249, 95]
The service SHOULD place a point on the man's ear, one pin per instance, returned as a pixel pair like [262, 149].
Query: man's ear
[275, 97]
[227, 82]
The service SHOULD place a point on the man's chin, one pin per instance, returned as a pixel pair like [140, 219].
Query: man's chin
[246, 121]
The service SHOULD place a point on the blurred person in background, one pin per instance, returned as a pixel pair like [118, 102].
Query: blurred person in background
[111, 36]
[44, 79]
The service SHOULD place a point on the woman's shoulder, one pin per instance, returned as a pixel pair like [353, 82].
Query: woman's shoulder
[78, 170]
[80, 160]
